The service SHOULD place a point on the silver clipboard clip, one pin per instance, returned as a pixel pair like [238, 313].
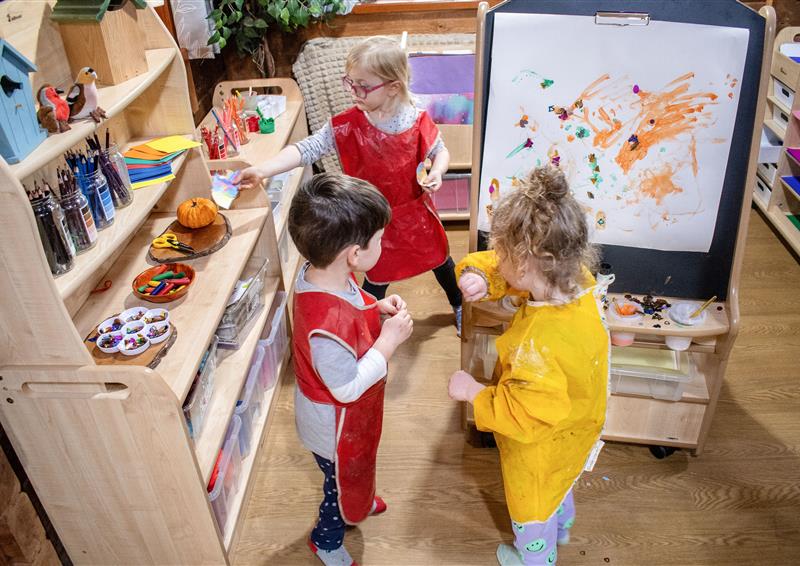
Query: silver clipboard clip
[621, 19]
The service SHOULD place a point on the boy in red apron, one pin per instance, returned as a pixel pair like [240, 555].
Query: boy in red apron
[341, 348]
[383, 139]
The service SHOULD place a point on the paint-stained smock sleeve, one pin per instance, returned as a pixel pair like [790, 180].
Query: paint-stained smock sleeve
[485, 265]
[530, 398]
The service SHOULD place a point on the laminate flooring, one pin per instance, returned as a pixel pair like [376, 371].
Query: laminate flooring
[737, 503]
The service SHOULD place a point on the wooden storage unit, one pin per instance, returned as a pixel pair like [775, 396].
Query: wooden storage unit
[773, 196]
[636, 418]
[261, 147]
[107, 447]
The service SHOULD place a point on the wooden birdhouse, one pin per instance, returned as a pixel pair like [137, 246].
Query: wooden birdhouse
[20, 132]
[104, 35]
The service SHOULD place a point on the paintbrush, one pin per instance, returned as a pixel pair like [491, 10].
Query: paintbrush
[703, 307]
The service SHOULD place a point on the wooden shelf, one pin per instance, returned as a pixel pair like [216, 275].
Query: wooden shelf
[779, 104]
[245, 481]
[126, 221]
[260, 146]
[760, 202]
[652, 421]
[773, 126]
[196, 315]
[789, 189]
[229, 377]
[113, 99]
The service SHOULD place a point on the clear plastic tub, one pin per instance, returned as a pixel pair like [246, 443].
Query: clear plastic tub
[239, 313]
[224, 481]
[660, 374]
[248, 407]
[275, 343]
[194, 408]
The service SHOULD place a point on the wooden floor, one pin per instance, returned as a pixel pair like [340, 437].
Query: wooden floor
[738, 503]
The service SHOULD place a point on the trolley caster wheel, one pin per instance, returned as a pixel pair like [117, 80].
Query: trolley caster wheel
[661, 452]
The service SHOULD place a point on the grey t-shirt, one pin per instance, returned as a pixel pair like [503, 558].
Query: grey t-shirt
[337, 366]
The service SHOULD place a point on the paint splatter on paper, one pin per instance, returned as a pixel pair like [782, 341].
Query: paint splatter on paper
[644, 145]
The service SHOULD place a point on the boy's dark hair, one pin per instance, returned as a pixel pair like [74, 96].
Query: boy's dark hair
[331, 212]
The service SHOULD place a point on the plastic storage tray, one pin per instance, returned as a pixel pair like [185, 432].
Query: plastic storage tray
[225, 477]
[660, 374]
[453, 196]
[238, 314]
[194, 408]
[248, 407]
[275, 343]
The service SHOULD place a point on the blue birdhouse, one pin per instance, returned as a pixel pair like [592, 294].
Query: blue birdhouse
[20, 132]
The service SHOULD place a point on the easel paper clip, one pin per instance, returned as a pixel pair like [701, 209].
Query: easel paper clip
[621, 19]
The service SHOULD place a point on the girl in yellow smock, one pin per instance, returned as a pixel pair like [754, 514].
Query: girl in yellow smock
[548, 402]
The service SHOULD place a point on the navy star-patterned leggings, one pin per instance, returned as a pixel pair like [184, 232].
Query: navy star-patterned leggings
[329, 532]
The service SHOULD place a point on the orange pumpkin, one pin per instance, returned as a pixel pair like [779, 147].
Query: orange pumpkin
[197, 212]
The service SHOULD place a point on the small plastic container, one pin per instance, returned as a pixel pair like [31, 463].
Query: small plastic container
[134, 344]
[194, 408]
[135, 313]
[134, 327]
[154, 316]
[224, 481]
[660, 374]
[109, 343]
[112, 324]
[239, 312]
[248, 408]
[158, 332]
[623, 338]
[681, 314]
[275, 343]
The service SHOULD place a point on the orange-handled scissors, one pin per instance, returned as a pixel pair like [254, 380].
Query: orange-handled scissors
[170, 240]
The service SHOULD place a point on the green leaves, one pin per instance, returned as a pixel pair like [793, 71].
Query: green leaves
[245, 22]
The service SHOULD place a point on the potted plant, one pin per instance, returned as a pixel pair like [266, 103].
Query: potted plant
[245, 23]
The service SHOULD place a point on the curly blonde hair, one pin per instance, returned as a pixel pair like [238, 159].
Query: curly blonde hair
[543, 223]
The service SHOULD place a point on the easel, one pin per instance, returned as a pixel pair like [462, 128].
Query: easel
[663, 425]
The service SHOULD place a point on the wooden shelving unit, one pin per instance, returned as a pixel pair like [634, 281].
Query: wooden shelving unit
[776, 200]
[107, 447]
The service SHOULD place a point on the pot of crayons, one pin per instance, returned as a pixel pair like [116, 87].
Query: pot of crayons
[164, 283]
[93, 185]
[112, 165]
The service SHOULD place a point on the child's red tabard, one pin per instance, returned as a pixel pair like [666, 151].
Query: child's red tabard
[358, 424]
[414, 241]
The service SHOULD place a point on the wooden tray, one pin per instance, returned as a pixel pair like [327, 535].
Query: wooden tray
[205, 241]
[149, 358]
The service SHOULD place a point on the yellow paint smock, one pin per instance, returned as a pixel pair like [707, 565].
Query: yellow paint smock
[548, 402]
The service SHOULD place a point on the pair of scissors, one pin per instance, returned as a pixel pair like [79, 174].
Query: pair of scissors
[170, 240]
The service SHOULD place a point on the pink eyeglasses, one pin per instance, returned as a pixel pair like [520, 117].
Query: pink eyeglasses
[358, 90]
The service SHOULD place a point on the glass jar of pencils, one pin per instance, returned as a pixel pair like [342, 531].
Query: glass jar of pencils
[56, 241]
[79, 220]
[95, 188]
[113, 166]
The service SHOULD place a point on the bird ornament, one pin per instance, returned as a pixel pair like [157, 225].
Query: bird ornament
[83, 97]
[53, 113]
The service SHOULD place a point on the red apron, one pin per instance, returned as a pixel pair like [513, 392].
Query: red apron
[414, 241]
[358, 424]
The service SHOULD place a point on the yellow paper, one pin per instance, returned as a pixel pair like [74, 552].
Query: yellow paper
[171, 144]
[149, 182]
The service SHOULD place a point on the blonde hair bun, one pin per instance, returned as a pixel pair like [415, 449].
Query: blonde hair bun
[548, 183]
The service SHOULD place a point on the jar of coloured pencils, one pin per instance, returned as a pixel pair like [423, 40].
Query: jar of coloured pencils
[95, 188]
[79, 220]
[113, 166]
[56, 241]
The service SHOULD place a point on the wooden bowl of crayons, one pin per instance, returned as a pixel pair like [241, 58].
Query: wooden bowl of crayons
[164, 283]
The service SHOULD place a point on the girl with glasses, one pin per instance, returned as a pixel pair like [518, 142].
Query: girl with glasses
[382, 139]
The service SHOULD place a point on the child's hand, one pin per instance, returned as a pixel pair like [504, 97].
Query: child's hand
[473, 287]
[463, 387]
[433, 182]
[391, 305]
[394, 332]
[250, 178]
